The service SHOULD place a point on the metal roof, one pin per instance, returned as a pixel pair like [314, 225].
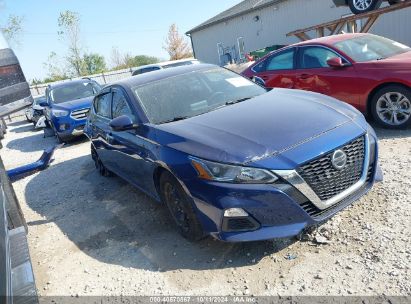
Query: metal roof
[242, 8]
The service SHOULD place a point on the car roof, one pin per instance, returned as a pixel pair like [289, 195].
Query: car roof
[164, 63]
[331, 39]
[142, 79]
[64, 83]
[147, 66]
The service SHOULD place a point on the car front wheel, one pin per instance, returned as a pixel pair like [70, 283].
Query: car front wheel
[363, 6]
[391, 107]
[181, 207]
[99, 164]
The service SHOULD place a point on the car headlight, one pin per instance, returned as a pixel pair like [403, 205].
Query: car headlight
[59, 113]
[231, 174]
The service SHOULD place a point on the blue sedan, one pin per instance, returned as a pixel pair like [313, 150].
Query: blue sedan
[228, 158]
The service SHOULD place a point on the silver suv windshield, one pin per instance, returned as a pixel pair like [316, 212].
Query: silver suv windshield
[193, 94]
[369, 47]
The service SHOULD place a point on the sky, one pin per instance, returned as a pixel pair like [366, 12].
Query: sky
[133, 26]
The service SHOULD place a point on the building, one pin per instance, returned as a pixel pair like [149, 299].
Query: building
[255, 24]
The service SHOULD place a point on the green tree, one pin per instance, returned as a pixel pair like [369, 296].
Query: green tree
[93, 63]
[13, 29]
[123, 61]
[143, 60]
[176, 45]
[69, 32]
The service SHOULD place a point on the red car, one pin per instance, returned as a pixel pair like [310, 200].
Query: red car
[370, 72]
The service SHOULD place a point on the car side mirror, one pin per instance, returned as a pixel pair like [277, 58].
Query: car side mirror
[122, 123]
[336, 62]
[258, 80]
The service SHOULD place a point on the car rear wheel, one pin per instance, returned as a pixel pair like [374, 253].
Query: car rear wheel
[363, 6]
[391, 107]
[181, 207]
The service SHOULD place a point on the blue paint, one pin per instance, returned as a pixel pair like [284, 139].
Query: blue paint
[279, 130]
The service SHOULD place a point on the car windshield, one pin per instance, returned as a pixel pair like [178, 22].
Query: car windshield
[193, 94]
[369, 47]
[73, 91]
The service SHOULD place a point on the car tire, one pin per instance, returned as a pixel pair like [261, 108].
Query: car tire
[391, 107]
[363, 7]
[99, 164]
[3, 126]
[60, 139]
[181, 207]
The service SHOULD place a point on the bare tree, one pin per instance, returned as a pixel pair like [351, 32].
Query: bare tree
[115, 58]
[69, 32]
[13, 29]
[55, 68]
[176, 45]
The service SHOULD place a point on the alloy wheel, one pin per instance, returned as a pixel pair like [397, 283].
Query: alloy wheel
[363, 5]
[176, 205]
[393, 108]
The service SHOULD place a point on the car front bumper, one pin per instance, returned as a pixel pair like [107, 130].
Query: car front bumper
[278, 210]
[67, 127]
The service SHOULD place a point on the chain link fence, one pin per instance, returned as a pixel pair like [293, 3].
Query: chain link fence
[103, 78]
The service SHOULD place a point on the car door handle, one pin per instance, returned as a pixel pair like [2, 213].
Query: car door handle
[263, 77]
[304, 76]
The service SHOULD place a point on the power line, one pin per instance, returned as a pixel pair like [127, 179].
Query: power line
[97, 33]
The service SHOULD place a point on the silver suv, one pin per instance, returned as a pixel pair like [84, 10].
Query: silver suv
[363, 6]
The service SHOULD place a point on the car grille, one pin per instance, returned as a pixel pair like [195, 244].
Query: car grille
[327, 181]
[80, 114]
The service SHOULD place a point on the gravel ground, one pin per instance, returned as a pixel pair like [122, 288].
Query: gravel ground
[91, 235]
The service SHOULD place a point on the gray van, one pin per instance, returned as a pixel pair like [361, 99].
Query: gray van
[16, 274]
[14, 89]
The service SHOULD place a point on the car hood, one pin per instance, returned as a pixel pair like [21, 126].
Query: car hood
[261, 127]
[75, 104]
[398, 62]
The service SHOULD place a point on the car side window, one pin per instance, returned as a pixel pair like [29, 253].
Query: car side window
[102, 105]
[120, 105]
[315, 57]
[282, 61]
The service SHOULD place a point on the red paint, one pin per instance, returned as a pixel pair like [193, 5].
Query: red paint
[353, 83]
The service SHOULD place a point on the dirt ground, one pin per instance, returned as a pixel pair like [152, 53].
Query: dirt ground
[91, 235]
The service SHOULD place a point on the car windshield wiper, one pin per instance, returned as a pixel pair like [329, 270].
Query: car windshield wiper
[175, 119]
[231, 102]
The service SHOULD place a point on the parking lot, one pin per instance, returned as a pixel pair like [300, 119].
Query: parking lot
[92, 235]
